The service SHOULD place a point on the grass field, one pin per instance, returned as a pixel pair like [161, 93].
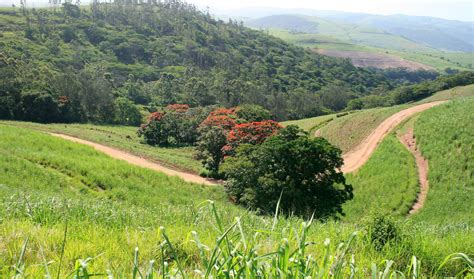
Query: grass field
[445, 135]
[311, 124]
[348, 131]
[389, 176]
[62, 202]
[124, 138]
[409, 51]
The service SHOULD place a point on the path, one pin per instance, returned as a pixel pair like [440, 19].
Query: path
[138, 161]
[408, 139]
[357, 157]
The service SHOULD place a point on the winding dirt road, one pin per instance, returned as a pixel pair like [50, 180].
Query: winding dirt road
[408, 139]
[353, 159]
[138, 161]
[357, 157]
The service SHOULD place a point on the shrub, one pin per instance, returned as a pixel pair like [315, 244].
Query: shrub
[39, 107]
[126, 112]
[303, 170]
[382, 230]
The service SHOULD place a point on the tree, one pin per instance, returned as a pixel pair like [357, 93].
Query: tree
[209, 148]
[126, 112]
[38, 107]
[252, 113]
[304, 171]
[176, 125]
[249, 133]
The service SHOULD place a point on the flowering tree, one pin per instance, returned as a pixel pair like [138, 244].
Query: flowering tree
[174, 126]
[250, 133]
[224, 130]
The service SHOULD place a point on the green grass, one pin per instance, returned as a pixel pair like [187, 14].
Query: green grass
[445, 135]
[124, 138]
[348, 131]
[387, 183]
[111, 207]
[311, 124]
[450, 94]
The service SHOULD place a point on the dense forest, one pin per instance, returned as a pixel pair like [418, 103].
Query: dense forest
[113, 62]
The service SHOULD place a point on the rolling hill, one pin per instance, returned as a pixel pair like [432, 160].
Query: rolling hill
[422, 40]
[62, 194]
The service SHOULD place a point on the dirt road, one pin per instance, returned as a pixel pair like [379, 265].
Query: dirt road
[409, 141]
[357, 157]
[138, 161]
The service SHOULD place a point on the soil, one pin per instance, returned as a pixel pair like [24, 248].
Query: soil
[357, 157]
[408, 139]
[139, 161]
[377, 60]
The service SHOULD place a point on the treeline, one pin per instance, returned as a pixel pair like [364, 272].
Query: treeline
[108, 62]
[415, 92]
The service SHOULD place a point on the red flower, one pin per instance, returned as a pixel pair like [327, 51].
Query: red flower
[252, 133]
[223, 121]
[156, 116]
[178, 107]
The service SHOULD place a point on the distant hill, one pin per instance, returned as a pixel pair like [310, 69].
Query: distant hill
[434, 32]
[428, 42]
[426, 31]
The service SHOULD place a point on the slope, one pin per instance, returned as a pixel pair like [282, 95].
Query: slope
[154, 55]
[341, 36]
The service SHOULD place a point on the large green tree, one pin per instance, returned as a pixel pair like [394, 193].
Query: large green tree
[303, 171]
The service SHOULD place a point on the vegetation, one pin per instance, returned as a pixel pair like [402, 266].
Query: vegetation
[155, 55]
[444, 135]
[290, 171]
[51, 204]
[123, 138]
[376, 34]
[175, 126]
[390, 172]
[348, 131]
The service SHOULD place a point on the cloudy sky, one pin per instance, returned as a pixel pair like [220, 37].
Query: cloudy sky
[449, 9]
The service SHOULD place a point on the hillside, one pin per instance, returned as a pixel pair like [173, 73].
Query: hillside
[60, 193]
[373, 35]
[155, 55]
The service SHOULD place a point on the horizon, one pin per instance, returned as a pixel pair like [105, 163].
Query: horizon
[460, 10]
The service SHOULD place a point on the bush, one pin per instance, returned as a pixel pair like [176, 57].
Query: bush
[303, 170]
[382, 230]
[126, 112]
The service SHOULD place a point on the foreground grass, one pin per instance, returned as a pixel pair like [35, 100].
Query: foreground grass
[445, 135]
[62, 202]
[124, 138]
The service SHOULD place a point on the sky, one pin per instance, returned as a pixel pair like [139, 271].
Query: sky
[448, 9]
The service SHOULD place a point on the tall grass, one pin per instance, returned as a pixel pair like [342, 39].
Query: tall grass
[387, 183]
[236, 253]
[445, 135]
